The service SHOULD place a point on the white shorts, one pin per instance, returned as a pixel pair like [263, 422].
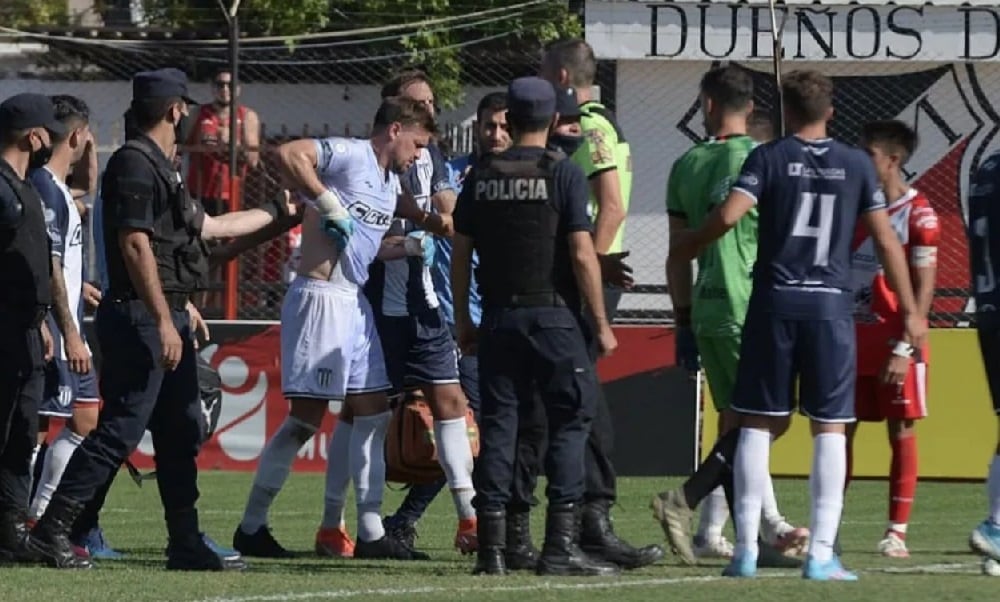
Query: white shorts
[329, 345]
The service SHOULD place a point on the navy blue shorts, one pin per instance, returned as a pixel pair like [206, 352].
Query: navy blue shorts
[418, 349]
[63, 388]
[989, 346]
[818, 355]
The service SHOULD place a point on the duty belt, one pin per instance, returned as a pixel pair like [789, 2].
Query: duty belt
[552, 299]
[175, 300]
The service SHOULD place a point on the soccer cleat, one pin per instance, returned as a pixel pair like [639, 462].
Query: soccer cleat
[387, 548]
[96, 546]
[744, 566]
[258, 545]
[893, 546]
[985, 539]
[467, 539]
[716, 546]
[401, 529]
[786, 539]
[334, 543]
[831, 570]
[670, 509]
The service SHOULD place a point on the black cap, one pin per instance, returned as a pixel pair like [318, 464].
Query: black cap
[162, 83]
[530, 99]
[566, 103]
[24, 111]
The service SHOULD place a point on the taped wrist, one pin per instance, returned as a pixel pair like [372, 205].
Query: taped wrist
[330, 207]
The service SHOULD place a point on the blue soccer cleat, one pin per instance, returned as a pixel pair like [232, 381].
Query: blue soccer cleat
[741, 566]
[830, 570]
[219, 550]
[985, 539]
[97, 546]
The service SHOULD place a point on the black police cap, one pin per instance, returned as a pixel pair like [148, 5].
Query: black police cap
[25, 111]
[162, 83]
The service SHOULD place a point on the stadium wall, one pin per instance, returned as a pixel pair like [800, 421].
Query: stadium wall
[654, 405]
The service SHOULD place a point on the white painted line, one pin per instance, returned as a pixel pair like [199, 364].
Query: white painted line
[940, 568]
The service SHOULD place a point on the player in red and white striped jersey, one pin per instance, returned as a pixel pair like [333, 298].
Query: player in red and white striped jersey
[878, 322]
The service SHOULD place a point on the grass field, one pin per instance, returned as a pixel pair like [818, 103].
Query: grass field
[941, 567]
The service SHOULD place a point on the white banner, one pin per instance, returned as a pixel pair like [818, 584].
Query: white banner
[825, 32]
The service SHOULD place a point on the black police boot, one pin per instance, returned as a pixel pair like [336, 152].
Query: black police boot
[49, 542]
[13, 532]
[521, 554]
[187, 550]
[491, 527]
[561, 553]
[598, 539]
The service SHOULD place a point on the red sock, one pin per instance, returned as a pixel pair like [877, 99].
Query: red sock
[902, 480]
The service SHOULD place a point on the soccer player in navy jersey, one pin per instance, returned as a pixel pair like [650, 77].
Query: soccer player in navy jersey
[810, 191]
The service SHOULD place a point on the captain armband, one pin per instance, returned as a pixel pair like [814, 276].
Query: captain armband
[923, 257]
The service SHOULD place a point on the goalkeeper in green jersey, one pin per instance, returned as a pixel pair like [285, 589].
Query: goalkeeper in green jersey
[709, 319]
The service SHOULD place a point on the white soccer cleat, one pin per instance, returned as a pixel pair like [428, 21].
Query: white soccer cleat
[716, 546]
[893, 546]
[785, 538]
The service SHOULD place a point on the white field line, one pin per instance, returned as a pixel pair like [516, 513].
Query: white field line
[940, 568]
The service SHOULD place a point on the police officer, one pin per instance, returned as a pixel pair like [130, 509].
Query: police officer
[153, 239]
[524, 212]
[27, 122]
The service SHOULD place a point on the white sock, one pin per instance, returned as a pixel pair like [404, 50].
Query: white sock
[714, 513]
[338, 476]
[367, 460]
[993, 489]
[826, 484]
[769, 510]
[272, 471]
[31, 468]
[455, 457]
[55, 461]
[751, 468]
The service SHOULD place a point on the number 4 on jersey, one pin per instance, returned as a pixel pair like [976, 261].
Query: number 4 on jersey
[821, 232]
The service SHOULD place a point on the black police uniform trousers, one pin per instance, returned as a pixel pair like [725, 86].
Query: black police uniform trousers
[139, 393]
[521, 350]
[532, 438]
[22, 380]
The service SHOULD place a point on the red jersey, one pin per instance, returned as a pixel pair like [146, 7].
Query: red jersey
[876, 308]
[208, 172]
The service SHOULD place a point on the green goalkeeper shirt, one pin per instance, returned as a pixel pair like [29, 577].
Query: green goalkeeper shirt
[700, 181]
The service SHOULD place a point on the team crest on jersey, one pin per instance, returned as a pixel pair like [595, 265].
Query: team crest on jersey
[957, 125]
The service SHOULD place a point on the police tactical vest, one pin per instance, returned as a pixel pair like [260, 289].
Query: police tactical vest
[176, 240]
[516, 221]
[25, 264]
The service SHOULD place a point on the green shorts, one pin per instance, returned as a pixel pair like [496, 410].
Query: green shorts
[719, 358]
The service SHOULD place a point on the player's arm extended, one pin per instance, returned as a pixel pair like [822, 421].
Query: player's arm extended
[606, 188]
[679, 276]
[722, 220]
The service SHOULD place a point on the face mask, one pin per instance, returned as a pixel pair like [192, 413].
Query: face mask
[567, 144]
[40, 157]
[180, 128]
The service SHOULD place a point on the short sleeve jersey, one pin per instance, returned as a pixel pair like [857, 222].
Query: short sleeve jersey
[604, 147]
[809, 196]
[700, 181]
[349, 167]
[65, 229]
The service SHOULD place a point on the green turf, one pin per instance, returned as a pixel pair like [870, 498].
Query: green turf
[941, 568]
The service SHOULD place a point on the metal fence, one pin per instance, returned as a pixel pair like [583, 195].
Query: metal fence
[331, 86]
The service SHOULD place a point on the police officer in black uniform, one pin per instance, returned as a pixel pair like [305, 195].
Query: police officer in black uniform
[27, 122]
[524, 212]
[154, 237]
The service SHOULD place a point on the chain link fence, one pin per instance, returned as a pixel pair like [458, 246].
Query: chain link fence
[330, 86]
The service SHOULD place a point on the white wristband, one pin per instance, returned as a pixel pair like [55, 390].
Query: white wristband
[330, 207]
[903, 349]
